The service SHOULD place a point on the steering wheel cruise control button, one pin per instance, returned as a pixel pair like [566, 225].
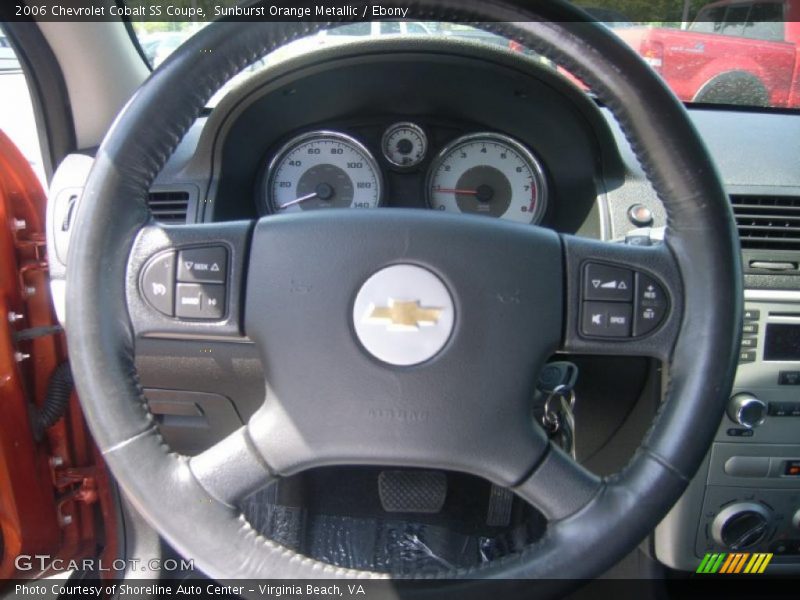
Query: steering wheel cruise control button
[158, 282]
[650, 306]
[203, 265]
[602, 282]
[403, 315]
[200, 301]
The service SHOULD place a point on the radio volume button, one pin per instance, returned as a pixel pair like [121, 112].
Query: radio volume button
[747, 410]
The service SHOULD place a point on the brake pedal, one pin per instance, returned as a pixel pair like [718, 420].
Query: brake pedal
[412, 491]
[499, 512]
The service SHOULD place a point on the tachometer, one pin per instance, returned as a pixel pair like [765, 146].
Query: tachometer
[488, 174]
[322, 169]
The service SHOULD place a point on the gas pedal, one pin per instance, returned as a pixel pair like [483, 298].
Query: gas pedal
[412, 491]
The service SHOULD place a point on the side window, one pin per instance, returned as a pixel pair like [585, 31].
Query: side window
[16, 109]
[416, 29]
[362, 28]
[765, 22]
[735, 18]
[390, 27]
[709, 20]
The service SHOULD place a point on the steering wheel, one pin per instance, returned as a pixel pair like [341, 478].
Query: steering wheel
[488, 301]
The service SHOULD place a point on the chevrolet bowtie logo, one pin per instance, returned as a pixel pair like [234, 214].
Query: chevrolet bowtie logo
[403, 315]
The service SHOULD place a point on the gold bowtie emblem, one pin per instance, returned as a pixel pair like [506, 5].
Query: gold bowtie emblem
[404, 315]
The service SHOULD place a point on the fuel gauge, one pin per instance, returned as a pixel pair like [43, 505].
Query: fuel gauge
[404, 145]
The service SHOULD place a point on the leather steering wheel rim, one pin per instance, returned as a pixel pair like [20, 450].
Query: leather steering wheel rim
[618, 512]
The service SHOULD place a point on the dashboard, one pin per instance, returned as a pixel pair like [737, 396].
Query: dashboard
[401, 124]
[449, 126]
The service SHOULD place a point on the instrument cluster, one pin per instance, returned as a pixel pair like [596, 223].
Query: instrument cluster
[483, 173]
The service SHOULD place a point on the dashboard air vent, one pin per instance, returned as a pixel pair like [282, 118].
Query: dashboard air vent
[169, 207]
[767, 222]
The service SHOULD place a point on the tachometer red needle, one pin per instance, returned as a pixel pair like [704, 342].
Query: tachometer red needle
[456, 191]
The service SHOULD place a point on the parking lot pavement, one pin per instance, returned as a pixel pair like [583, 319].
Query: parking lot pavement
[16, 118]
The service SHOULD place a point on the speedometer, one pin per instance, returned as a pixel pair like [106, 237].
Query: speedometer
[488, 174]
[322, 169]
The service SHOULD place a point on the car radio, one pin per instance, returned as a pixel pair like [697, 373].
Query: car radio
[746, 497]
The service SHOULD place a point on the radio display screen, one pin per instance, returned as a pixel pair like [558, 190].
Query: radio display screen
[782, 342]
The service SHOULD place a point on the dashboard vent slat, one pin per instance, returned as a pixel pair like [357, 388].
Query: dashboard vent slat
[169, 207]
[765, 218]
[767, 222]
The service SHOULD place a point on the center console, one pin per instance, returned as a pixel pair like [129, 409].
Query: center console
[746, 496]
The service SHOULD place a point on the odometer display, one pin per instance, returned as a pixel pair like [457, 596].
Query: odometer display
[322, 169]
[488, 174]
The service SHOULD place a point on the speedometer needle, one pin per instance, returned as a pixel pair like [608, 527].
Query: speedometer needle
[457, 191]
[299, 200]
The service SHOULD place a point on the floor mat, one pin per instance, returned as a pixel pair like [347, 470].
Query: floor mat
[399, 546]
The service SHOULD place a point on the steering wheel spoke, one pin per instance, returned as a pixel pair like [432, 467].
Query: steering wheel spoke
[620, 299]
[559, 486]
[186, 282]
[232, 468]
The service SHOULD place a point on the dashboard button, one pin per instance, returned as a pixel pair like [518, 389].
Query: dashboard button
[158, 282]
[789, 378]
[751, 315]
[203, 265]
[640, 215]
[749, 342]
[602, 282]
[200, 301]
[792, 468]
[747, 466]
[739, 432]
[606, 319]
[784, 409]
[747, 356]
[779, 409]
[750, 328]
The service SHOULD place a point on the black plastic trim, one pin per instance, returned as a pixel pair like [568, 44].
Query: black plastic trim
[48, 91]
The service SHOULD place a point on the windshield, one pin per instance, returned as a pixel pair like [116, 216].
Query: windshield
[731, 52]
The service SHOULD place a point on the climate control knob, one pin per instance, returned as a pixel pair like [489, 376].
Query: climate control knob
[747, 410]
[741, 525]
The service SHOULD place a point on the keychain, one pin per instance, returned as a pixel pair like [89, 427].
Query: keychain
[557, 381]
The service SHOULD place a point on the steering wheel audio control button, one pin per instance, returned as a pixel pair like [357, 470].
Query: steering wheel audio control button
[403, 315]
[603, 282]
[203, 265]
[200, 301]
[158, 282]
[606, 319]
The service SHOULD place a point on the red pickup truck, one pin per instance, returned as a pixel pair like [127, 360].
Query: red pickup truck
[735, 52]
